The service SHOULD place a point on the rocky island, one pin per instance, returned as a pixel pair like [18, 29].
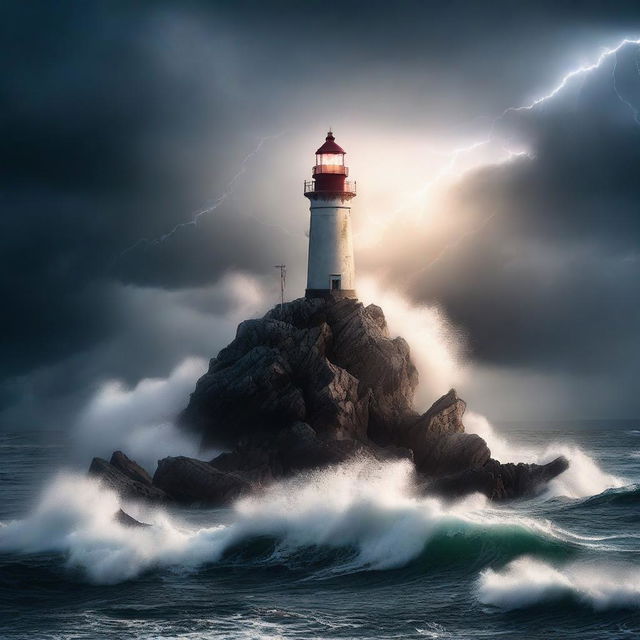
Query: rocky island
[317, 382]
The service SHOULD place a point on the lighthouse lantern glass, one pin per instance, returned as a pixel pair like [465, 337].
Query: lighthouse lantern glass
[330, 159]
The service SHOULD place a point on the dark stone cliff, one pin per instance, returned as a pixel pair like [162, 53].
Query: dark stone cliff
[317, 382]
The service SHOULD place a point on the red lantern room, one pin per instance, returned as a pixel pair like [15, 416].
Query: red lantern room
[330, 173]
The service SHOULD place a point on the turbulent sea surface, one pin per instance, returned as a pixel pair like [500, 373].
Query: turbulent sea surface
[350, 552]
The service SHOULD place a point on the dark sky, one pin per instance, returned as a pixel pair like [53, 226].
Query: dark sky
[120, 120]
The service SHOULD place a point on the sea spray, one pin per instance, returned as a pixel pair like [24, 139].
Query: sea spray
[437, 347]
[367, 509]
[75, 516]
[374, 509]
[583, 478]
[140, 420]
[528, 582]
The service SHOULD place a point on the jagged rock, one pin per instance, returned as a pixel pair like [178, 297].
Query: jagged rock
[249, 396]
[302, 313]
[362, 346]
[450, 453]
[258, 465]
[298, 435]
[124, 518]
[130, 468]
[438, 441]
[330, 364]
[188, 480]
[377, 315]
[500, 481]
[314, 383]
[444, 415]
[125, 486]
[300, 448]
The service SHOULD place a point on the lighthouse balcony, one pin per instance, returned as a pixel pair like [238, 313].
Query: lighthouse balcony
[311, 189]
[336, 169]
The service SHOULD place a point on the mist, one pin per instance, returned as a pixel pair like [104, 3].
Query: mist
[140, 420]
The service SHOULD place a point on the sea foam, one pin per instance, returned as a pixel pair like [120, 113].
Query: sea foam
[528, 582]
[367, 510]
[75, 516]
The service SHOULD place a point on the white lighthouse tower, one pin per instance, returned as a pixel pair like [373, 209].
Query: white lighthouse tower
[331, 271]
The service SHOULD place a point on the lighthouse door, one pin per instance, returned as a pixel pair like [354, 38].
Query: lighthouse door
[335, 282]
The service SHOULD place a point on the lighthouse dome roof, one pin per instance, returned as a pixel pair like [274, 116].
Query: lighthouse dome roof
[330, 145]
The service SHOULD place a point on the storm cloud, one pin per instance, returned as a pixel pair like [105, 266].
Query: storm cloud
[541, 263]
[122, 120]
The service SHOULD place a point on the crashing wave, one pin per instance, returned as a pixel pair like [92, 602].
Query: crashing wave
[527, 582]
[358, 516]
[583, 478]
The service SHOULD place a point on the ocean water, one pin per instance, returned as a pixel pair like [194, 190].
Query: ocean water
[350, 552]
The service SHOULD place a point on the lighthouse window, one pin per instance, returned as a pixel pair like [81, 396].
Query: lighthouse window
[330, 159]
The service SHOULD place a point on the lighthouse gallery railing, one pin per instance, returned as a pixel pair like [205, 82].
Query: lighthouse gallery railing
[310, 187]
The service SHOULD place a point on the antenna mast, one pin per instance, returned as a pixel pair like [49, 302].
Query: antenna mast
[283, 282]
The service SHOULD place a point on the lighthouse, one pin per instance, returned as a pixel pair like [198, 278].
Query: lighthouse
[330, 271]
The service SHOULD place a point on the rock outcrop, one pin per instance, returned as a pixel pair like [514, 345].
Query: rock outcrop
[128, 521]
[316, 382]
[177, 479]
[122, 483]
[130, 468]
[331, 365]
[499, 481]
[188, 480]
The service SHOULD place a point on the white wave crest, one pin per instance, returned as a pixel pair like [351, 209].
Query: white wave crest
[526, 582]
[363, 504]
[75, 516]
[583, 478]
[367, 507]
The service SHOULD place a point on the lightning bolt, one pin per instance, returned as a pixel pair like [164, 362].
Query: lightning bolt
[196, 215]
[606, 53]
[624, 101]
[449, 168]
